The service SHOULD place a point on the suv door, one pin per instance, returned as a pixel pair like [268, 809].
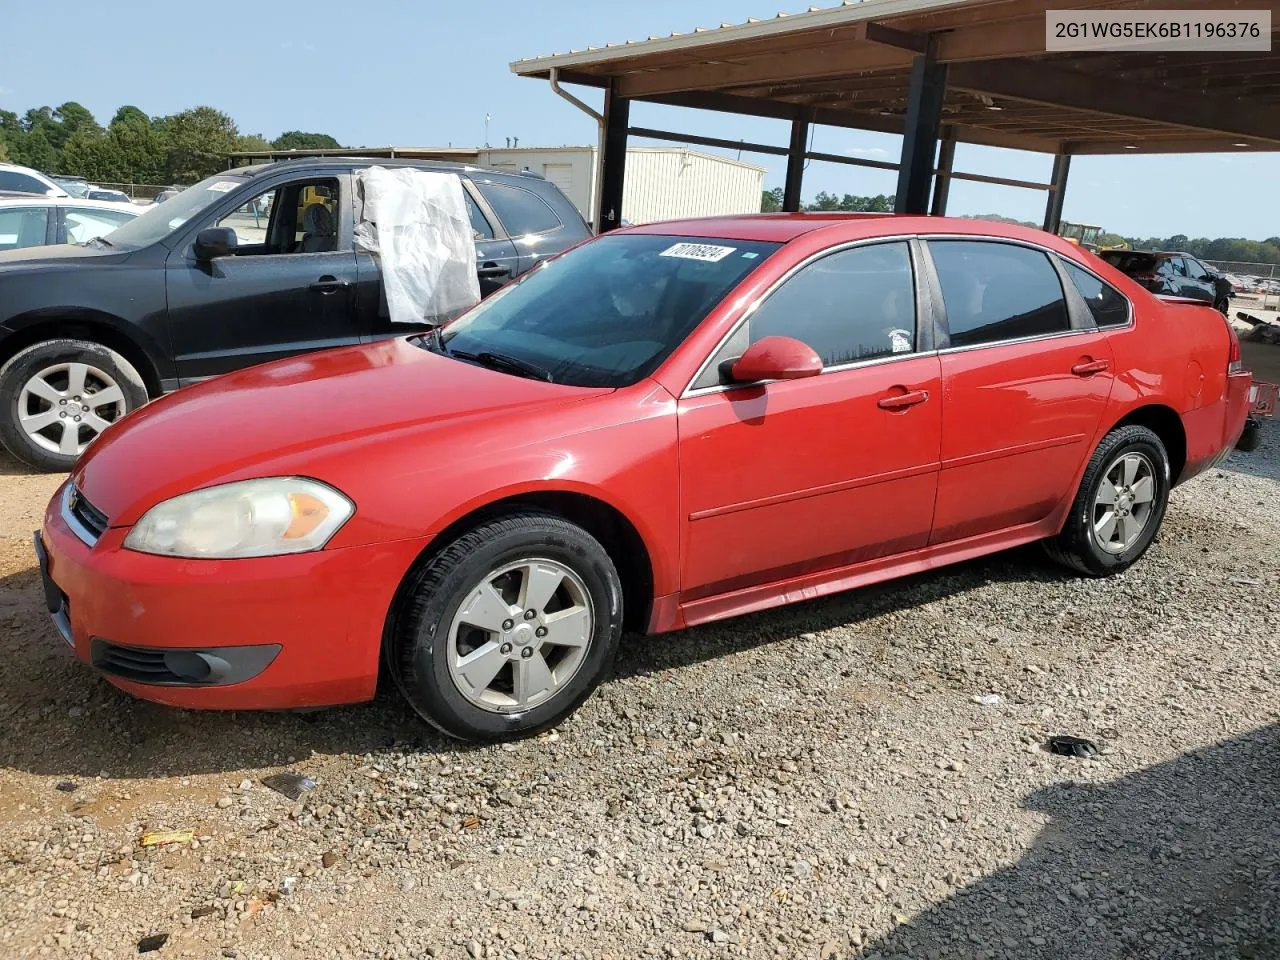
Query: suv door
[287, 289]
[1025, 382]
[795, 477]
[496, 264]
[536, 230]
[1198, 284]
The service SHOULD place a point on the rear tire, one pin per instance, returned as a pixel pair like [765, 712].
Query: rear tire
[508, 629]
[1119, 507]
[1223, 306]
[47, 386]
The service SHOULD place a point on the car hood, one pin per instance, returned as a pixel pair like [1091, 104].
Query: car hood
[63, 254]
[279, 418]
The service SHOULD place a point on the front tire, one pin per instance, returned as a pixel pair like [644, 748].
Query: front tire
[508, 629]
[1119, 507]
[56, 396]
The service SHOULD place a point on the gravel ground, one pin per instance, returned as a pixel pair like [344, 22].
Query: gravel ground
[818, 782]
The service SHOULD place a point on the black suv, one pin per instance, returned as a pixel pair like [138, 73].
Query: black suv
[88, 333]
[1173, 274]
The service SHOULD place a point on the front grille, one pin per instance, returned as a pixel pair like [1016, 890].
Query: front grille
[131, 663]
[89, 516]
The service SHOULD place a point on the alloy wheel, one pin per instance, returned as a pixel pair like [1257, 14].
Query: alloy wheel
[1124, 502]
[64, 406]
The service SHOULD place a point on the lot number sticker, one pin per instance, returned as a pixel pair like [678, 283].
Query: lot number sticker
[222, 186]
[698, 251]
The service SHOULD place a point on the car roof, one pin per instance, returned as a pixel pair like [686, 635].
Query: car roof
[308, 163]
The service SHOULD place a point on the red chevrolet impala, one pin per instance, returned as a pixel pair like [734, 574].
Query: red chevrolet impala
[665, 426]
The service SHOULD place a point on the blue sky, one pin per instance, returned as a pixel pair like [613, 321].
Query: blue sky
[425, 72]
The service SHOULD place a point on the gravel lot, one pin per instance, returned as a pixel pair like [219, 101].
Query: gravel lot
[814, 782]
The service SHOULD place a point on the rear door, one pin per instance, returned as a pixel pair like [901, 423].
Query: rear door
[533, 226]
[288, 289]
[1198, 283]
[1025, 382]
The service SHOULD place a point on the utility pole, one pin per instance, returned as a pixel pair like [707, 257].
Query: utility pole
[487, 118]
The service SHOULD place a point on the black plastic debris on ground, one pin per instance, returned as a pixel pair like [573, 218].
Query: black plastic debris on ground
[1073, 746]
[66, 786]
[291, 785]
[152, 943]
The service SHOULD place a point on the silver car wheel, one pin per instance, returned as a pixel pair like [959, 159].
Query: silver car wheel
[1124, 504]
[64, 406]
[520, 635]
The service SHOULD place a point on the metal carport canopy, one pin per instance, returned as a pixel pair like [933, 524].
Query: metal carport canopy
[935, 71]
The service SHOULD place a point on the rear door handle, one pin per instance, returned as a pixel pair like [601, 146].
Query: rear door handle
[493, 270]
[327, 285]
[900, 401]
[1088, 368]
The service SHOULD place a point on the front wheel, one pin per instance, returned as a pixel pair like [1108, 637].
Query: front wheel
[56, 396]
[1119, 506]
[509, 629]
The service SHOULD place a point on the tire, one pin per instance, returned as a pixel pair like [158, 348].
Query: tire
[1223, 306]
[431, 632]
[102, 373]
[1087, 544]
[1250, 437]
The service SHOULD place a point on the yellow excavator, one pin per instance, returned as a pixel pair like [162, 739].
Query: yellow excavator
[1087, 235]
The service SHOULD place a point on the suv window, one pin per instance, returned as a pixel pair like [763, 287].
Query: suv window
[856, 304]
[1107, 304]
[1179, 266]
[998, 291]
[520, 210]
[82, 224]
[1194, 269]
[12, 180]
[298, 217]
[480, 229]
[23, 227]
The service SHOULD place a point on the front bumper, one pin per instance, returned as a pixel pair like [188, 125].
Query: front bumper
[276, 632]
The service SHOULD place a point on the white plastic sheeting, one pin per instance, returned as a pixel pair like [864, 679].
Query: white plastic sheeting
[415, 222]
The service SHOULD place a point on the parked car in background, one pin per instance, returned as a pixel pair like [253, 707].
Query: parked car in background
[108, 196]
[25, 180]
[154, 307]
[168, 193]
[1174, 275]
[74, 186]
[27, 220]
[668, 425]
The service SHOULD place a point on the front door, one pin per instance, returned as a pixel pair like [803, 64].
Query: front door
[793, 477]
[289, 287]
[1024, 389]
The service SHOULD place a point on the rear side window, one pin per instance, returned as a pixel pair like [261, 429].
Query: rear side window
[857, 304]
[1105, 302]
[520, 210]
[11, 180]
[480, 229]
[998, 291]
[23, 227]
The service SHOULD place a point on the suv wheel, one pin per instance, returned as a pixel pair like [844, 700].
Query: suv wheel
[58, 395]
[1119, 506]
[1223, 306]
[508, 629]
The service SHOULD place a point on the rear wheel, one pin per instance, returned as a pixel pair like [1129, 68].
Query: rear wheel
[509, 629]
[1223, 306]
[1119, 506]
[58, 395]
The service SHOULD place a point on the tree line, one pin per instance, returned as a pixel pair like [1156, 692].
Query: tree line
[135, 148]
[1220, 248]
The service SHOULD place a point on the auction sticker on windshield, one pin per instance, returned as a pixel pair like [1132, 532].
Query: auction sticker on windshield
[222, 186]
[698, 251]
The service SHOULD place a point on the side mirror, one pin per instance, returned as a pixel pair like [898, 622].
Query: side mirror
[212, 242]
[776, 358]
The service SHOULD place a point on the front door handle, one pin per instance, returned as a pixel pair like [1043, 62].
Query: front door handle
[327, 285]
[493, 270]
[900, 401]
[1087, 368]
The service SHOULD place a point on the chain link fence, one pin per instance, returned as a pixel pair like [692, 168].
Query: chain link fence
[137, 192]
[1257, 284]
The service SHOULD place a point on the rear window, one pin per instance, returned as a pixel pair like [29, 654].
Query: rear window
[1128, 262]
[520, 210]
[1105, 302]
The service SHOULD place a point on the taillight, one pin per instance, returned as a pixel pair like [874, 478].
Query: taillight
[1233, 353]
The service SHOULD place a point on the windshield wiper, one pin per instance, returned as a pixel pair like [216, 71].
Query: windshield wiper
[102, 240]
[503, 361]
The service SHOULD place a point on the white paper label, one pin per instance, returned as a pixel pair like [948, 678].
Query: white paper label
[708, 252]
[223, 186]
[900, 341]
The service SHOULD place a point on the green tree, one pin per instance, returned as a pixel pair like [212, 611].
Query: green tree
[131, 116]
[825, 202]
[73, 118]
[252, 142]
[771, 200]
[198, 142]
[297, 140]
[35, 150]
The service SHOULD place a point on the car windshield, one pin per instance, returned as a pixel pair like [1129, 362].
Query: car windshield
[607, 313]
[161, 220]
[1128, 262]
[76, 188]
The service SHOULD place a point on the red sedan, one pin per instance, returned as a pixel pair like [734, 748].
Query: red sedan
[665, 426]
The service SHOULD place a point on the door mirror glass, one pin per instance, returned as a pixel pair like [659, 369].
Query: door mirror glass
[213, 242]
[775, 358]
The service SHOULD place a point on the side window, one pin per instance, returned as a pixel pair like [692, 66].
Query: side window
[1179, 267]
[857, 304]
[480, 229]
[519, 210]
[23, 227]
[1105, 302]
[82, 224]
[998, 291]
[1194, 269]
[250, 220]
[1166, 268]
[12, 180]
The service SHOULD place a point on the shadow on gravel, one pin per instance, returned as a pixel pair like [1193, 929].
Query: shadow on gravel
[1263, 462]
[10, 466]
[1179, 860]
[61, 719]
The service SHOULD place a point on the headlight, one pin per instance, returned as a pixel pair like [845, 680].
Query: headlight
[251, 518]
